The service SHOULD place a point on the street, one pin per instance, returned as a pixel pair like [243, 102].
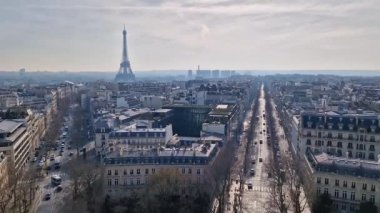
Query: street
[254, 198]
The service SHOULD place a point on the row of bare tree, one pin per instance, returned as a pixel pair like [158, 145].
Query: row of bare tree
[17, 190]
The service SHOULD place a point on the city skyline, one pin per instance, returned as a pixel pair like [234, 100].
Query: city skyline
[162, 35]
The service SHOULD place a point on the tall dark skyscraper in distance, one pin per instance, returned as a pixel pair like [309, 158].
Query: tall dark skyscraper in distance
[125, 73]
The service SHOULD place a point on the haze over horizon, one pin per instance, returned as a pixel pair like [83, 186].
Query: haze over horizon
[167, 35]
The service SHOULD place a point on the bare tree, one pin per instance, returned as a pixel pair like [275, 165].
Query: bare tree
[86, 185]
[6, 191]
[297, 197]
[278, 197]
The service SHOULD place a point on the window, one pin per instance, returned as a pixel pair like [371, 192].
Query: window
[318, 191]
[109, 172]
[116, 172]
[329, 135]
[336, 193]
[340, 136]
[350, 137]
[318, 180]
[344, 196]
[372, 198]
[308, 142]
[364, 186]
[153, 171]
[198, 171]
[326, 191]
[372, 138]
[340, 144]
[131, 172]
[344, 183]
[371, 156]
[329, 143]
[109, 182]
[352, 195]
[373, 188]
[352, 208]
[336, 182]
[189, 170]
[138, 171]
[371, 147]
[138, 181]
[326, 181]
[343, 206]
[349, 146]
[364, 197]
[183, 170]
[116, 182]
[125, 172]
[353, 185]
[308, 134]
[146, 171]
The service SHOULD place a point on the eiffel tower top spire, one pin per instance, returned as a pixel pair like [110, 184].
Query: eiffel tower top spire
[125, 73]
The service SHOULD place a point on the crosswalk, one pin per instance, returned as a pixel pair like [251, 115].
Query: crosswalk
[259, 189]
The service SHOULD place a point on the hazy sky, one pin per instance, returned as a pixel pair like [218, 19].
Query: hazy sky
[84, 35]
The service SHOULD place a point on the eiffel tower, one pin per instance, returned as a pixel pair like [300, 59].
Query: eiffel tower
[125, 73]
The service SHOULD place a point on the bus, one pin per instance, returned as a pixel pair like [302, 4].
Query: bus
[56, 180]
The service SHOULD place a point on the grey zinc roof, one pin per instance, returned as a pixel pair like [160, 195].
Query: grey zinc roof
[9, 125]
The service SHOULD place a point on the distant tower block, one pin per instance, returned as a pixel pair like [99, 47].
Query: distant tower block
[190, 74]
[125, 73]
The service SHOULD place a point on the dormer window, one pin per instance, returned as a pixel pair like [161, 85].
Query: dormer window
[350, 127]
[373, 128]
[102, 130]
[340, 119]
[309, 123]
[329, 125]
[340, 126]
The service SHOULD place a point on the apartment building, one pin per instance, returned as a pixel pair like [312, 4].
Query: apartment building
[342, 155]
[126, 169]
[348, 181]
[14, 142]
[349, 135]
[134, 153]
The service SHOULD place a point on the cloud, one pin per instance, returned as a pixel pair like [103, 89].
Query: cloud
[236, 34]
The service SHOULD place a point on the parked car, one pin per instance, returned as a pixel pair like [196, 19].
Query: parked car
[59, 188]
[260, 160]
[71, 154]
[47, 196]
[252, 172]
[250, 185]
[34, 159]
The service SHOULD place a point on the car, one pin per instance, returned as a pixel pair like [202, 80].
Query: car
[263, 124]
[250, 185]
[255, 142]
[40, 165]
[261, 132]
[71, 153]
[261, 141]
[253, 161]
[69, 147]
[252, 172]
[52, 158]
[59, 188]
[43, 159]
[34, 159]
[47, 196]
[260, 160]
